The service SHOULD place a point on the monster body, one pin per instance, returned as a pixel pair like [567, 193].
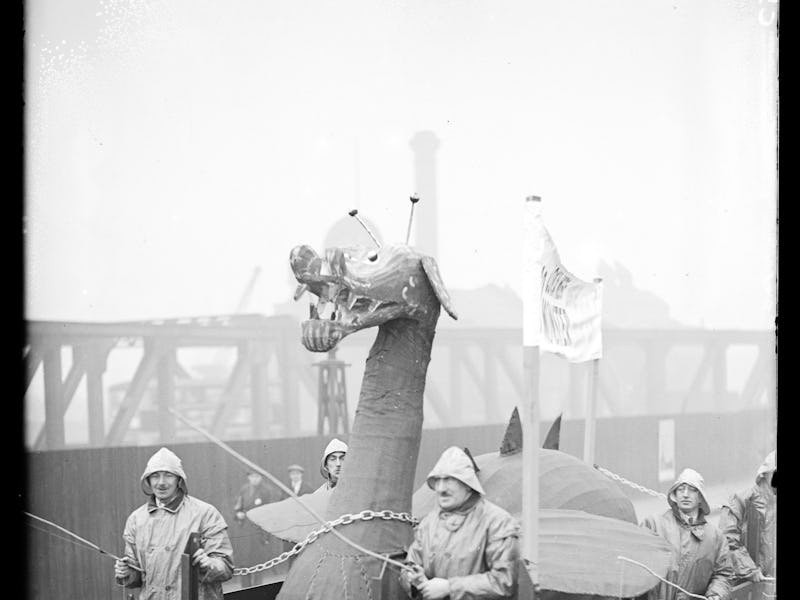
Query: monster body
[400, 292]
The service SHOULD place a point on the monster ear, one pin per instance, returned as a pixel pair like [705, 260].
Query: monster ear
[432, 271]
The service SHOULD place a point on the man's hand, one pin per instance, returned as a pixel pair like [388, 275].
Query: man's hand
[415, 576]
[201, 559]
[240, 515]
[418, 577]
[435, 588]
[757, 576]
[121, 568]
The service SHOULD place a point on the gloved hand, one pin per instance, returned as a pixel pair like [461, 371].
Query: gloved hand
[412, 579]
[121, 568]
[201, 559]
[435, 589]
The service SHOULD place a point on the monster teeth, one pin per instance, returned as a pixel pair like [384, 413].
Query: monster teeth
[301, 289]
[333, 292]
[325, 268]
[313, 313]
[373, 306]
[351, 301]
[321, 306]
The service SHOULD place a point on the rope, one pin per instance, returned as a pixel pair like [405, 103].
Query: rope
[286, 489]
[659, 577]
[77, 537]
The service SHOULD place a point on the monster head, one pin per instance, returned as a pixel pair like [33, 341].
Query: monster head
[359, 288]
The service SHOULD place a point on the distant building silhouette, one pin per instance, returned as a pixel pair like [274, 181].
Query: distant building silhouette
[489, 306]
[424, 145]
[627, 307]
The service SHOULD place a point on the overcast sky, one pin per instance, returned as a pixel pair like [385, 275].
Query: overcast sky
[174, 146]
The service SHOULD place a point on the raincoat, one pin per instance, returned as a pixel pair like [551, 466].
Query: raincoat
[474, 547]
[155, 537]
[700, 562]
[749, 523]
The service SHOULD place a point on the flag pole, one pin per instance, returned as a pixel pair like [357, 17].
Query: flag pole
[529, 411]
[590, 428]
[530, 462]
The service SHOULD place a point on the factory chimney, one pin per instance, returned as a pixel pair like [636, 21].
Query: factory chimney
[424, 145]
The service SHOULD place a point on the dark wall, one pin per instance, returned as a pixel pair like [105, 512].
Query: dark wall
[92, 491]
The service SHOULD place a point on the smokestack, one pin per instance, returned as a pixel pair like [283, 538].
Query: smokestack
[424, 144]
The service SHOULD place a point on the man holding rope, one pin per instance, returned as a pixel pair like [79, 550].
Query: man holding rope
[700, 562]
[466, 547]
[156, 534]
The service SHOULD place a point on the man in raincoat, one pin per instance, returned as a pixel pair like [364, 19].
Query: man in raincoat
[253, 543]
[466, 547]
[749, 523]
[700, 561]
[253, 493]
[156, 534]
[332, 461]
[296, 482]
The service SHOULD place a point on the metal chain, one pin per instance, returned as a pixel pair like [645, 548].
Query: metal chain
[364, 515]
[641, 488]
[635, 486]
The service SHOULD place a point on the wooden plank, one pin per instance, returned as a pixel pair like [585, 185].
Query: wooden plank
[514, 374]
[133, 395]
[68, 389]
[32, 359]
[166, 393]
[456, 393]
[53, 401]
[233, 391]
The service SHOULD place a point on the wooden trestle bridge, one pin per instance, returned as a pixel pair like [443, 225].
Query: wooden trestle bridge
[475, 373]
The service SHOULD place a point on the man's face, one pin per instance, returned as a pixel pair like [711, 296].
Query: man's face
[688, 498]
[164, 484]
[254, 478]
[295, 476]
[334, 464]
[450, 492]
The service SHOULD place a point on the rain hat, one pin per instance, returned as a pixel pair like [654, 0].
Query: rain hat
[694, 479]
[163, 460]
[455, 463]
[768, 467]
[335, 445]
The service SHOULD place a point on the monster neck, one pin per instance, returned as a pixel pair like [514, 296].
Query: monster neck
[384, 443]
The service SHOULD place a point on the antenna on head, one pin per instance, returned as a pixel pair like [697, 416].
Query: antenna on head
[414, 200]
[354, 213]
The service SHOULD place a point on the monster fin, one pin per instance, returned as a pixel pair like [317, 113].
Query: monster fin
[512, 440]
[551, 442]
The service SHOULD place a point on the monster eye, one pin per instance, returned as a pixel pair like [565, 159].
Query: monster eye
[372, 256]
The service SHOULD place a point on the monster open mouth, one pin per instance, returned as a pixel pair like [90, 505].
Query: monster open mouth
[354, 288]
[337, 313]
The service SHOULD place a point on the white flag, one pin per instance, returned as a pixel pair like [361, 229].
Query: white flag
[561, 312]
